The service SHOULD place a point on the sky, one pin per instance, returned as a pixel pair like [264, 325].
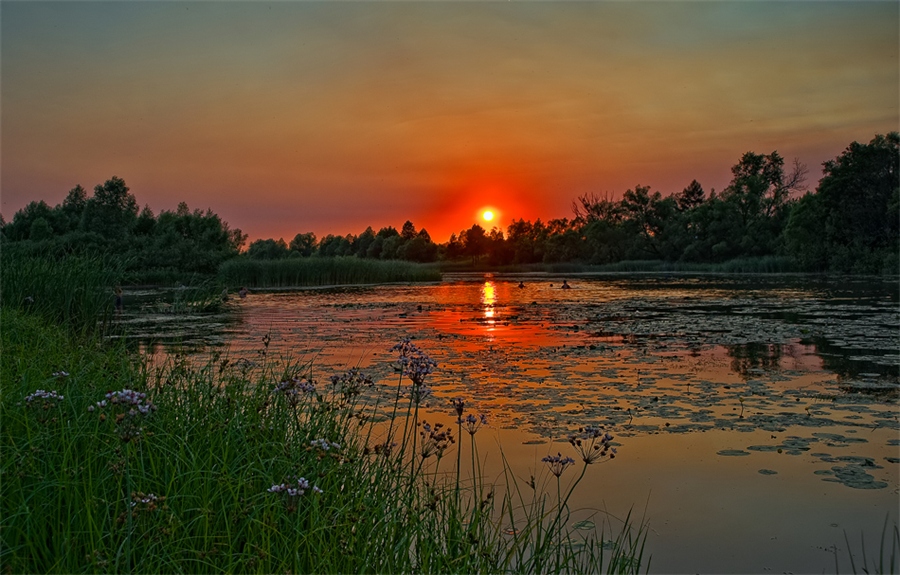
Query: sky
[289, 117]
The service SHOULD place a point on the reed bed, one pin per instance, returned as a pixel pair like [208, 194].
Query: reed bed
[74, 291]
[320, 271]
[111, 464]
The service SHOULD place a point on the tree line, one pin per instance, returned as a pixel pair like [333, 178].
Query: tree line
[849, 223]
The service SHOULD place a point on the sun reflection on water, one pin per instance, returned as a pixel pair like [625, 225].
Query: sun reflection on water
[488, 298]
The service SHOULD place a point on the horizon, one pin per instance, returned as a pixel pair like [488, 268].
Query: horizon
[285, 118]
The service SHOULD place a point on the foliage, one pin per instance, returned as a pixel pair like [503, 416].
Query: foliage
[224, 467]
[108, 224]
[850, 224]
[76, 292]
[321, 271]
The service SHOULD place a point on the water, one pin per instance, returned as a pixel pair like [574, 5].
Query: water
[756, 419]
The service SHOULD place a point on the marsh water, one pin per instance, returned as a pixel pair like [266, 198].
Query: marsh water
[756, 418]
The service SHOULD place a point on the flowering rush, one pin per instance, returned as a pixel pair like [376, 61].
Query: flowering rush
[324, 444]
[473, 423]
[45, 395]
[557, 463]
[135, 401]
[435, 440]
[292, 490]
[593, 444]
[351, 382]
[414, 363]
[294, 387]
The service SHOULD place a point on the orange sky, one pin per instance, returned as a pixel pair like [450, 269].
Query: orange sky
[289, 117]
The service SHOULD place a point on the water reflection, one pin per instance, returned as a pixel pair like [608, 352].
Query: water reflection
[488, 297]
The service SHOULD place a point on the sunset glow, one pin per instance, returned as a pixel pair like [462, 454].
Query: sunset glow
[384, 112]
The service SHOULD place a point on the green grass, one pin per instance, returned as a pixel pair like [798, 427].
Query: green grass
[315, 271]
[219, 439]
[76, 292]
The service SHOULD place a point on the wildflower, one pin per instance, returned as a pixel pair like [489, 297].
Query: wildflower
[300, 489]
[593, 444]
[45, 395]
[558, 463]
[459, 406]
[134, 405]
[60, 374]
[472, 423]
[324, 444]
[381, 448]
[414, 363]
[418, 392]
[435, 440]
[351, 382]
[292, 389]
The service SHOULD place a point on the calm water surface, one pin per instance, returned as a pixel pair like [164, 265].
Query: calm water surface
[756, 419]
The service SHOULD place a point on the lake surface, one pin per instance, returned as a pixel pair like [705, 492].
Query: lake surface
[756, 418]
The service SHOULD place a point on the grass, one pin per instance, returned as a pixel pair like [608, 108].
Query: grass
[76, 292]
[193, 485]
[316, 271]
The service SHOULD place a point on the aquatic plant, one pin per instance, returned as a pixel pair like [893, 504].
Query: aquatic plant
[201, 490]
[316, 271]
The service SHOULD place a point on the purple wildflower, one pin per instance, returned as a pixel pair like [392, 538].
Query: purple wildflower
[558, 463]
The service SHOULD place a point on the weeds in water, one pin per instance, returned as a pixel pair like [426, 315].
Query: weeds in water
[315, 271]
[225, 467]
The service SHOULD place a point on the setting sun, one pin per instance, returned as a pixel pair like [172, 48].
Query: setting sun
[488, 215]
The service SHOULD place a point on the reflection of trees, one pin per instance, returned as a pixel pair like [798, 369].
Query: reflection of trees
[753, 356]
[836, 360]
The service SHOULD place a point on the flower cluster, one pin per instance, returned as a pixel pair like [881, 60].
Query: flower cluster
[60, 374]
[414, 363]
[351, 383]
[459, 406]
[472, 423]
[133, 405]
[324, 444]
[381, 448]
[593, 444]
[558, 463]
[48, 396]
[133, 400]
[146, 502]
[418, 393]
[435, 440]
[292, 389]
[301, 488]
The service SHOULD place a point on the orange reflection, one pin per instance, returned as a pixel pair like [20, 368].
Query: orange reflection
[487, 300]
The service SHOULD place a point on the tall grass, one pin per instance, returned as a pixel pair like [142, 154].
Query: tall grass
[73, 291]
[315, 271]
[200, 482]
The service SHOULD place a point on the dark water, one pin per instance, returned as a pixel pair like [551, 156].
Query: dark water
[757, 419]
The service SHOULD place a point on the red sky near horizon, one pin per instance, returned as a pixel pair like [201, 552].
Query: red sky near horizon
[290, 117]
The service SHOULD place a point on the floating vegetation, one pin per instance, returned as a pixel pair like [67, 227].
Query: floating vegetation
[658, 356]
[852, 475]
[767, 472]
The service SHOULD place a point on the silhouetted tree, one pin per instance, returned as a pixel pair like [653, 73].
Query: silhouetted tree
[304, 244]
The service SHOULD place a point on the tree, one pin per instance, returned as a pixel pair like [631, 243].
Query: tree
[759, 192]
[690, 197]
[304, 244]
[268, 249]
[854, 215]
[474, 242]
[408, 231]
[112, 211]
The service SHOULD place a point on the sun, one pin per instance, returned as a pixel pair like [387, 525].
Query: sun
[488, 215]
